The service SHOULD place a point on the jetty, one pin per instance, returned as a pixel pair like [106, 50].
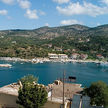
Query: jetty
[5, 65]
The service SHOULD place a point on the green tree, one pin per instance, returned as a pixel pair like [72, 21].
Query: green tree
[98, 92]
[28, 79]
[31, 95]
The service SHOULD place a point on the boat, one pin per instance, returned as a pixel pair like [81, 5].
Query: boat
[41, 62]
[6, 65]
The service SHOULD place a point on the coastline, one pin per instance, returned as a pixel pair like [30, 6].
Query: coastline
[42, 60]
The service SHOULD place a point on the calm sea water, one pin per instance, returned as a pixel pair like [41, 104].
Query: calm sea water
[86, 73]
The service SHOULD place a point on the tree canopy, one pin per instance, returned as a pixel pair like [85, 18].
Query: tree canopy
[98, 92]
[29, 79]
[31, 95]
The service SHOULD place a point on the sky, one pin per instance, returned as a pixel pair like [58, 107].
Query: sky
[32, 14]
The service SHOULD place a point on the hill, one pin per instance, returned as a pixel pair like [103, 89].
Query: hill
[52, 32]
[64, 39]
[46, 32]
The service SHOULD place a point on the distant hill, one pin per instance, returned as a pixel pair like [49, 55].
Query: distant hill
[39, 42]
[52, 32]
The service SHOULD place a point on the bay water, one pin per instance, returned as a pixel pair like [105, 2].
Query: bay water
[86, 73]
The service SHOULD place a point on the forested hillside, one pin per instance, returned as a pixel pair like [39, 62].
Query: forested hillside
[65, 39]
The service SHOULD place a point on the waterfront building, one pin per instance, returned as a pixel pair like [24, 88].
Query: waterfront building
[99, 56]
[75, 56]
[53, 56]
[57, 56]
[62, 56]
[83, 56]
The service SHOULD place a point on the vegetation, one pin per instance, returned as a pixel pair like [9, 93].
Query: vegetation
[29, 79]
[31, 95]
[98, 92]
[40, 42]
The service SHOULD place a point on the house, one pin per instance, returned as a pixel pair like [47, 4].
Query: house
[73, 50]
[1, 36]
[83, 56]
[49, 45]
[62, 56]
[53, 56]
[57, 48]
[87, 40]
[75, 56]
[80, 40]
[57, 56]
[99, 56]
[13, 42]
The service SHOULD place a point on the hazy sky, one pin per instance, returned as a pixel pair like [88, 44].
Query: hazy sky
[31, 14]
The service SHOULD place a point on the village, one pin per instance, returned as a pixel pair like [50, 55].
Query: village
[53, 57]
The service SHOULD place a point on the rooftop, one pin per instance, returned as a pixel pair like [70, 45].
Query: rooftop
[70, 90]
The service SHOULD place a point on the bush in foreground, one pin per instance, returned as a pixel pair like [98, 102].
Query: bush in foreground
[31, 96]
[98, 92]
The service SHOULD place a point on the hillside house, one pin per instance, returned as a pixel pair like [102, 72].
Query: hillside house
[99, 56]
[87, 40]
[83, 56]
[47, 45]
[75, 56]
[13, 42]
[73, 50]
[58, 48]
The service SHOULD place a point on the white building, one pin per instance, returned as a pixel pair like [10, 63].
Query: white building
[53, 56]
[75, 56]
[62, 56]
[57, 56]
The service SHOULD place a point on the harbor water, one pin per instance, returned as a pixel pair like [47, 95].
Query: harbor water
[86, 73]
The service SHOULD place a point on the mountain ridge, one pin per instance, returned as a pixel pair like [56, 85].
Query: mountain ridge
[53, 32]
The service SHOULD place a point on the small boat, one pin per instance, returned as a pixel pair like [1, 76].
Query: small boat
[6, 65]
[41, 62]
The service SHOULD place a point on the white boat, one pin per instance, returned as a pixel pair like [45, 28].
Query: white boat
[5, 65]
[41, 62]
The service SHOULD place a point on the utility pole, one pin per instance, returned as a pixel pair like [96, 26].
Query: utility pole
[63, 89]
[71, 79]
[51, 93]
